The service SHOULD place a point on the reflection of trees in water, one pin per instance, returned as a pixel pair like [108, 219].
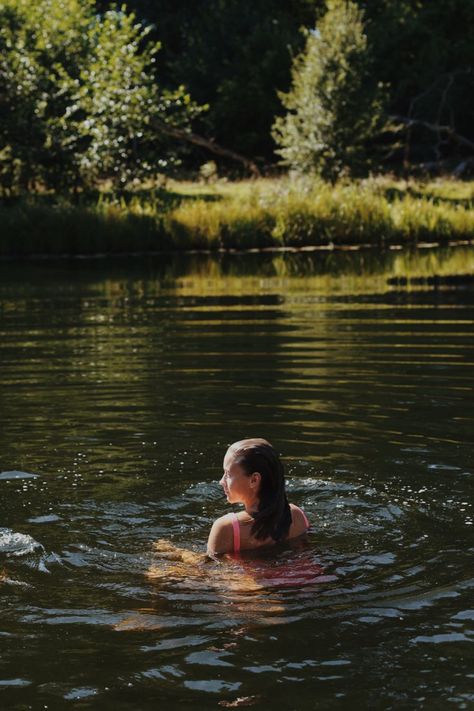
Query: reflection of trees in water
[150, 276]
[325, 272]
[172, 348]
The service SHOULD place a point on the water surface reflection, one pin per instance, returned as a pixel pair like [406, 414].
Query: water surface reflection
[121, 386]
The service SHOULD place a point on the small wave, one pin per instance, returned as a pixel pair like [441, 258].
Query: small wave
[8, 683]
[48, 518]
[7, 476]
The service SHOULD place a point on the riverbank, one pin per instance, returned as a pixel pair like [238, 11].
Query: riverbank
[266, 213]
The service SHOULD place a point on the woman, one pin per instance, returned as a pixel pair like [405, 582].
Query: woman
[254, 476]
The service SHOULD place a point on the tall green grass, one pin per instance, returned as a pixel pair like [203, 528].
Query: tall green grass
[246, 215]
[297, 214]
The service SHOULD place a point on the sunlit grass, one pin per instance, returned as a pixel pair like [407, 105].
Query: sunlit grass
[242, 215]
[302, 213]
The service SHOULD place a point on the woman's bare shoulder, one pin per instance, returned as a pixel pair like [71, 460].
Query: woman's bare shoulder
[221, 537]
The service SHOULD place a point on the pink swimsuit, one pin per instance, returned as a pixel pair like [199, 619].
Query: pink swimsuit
[236, 529]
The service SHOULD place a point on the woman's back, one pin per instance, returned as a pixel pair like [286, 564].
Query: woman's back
[236, 530]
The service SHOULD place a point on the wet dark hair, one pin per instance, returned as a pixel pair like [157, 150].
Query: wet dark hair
[273, 518]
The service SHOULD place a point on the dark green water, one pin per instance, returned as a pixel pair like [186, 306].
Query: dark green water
[122, 384]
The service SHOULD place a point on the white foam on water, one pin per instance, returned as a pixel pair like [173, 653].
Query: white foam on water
[17, 544]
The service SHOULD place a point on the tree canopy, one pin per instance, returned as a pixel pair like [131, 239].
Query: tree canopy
[87, 87]
[237, 56]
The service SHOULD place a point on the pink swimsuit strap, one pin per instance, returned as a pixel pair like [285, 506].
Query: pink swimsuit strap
[305, 518]
[236, 529]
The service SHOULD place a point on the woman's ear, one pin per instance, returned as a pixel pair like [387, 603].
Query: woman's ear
[255, 479]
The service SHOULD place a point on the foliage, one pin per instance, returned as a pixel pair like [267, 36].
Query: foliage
[78, 96]
[333, 108]
[232, 56]
[81, 100]
[235, 59]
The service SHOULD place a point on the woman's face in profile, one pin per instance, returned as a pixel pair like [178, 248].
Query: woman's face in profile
[235, 482]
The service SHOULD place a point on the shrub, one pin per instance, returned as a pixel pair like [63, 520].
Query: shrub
[333, 106]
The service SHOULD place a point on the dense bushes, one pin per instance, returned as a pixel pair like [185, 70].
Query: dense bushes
[78, 96]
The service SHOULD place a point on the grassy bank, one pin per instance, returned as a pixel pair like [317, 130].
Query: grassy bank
[244, 215]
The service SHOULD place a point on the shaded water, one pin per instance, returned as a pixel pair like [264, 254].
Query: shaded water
[122, 384]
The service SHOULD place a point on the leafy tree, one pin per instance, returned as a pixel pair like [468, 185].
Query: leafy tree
[78, 96]
[333, 107]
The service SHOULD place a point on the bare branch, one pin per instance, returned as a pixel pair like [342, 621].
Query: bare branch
[435, 128]
[441, 86]
[197, 140]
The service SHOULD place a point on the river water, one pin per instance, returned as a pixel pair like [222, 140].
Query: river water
[122, 384]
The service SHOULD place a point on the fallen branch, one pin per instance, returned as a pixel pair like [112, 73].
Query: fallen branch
[210, 145]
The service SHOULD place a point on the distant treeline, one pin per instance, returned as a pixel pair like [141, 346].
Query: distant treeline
[234, 55]
[93, 93]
